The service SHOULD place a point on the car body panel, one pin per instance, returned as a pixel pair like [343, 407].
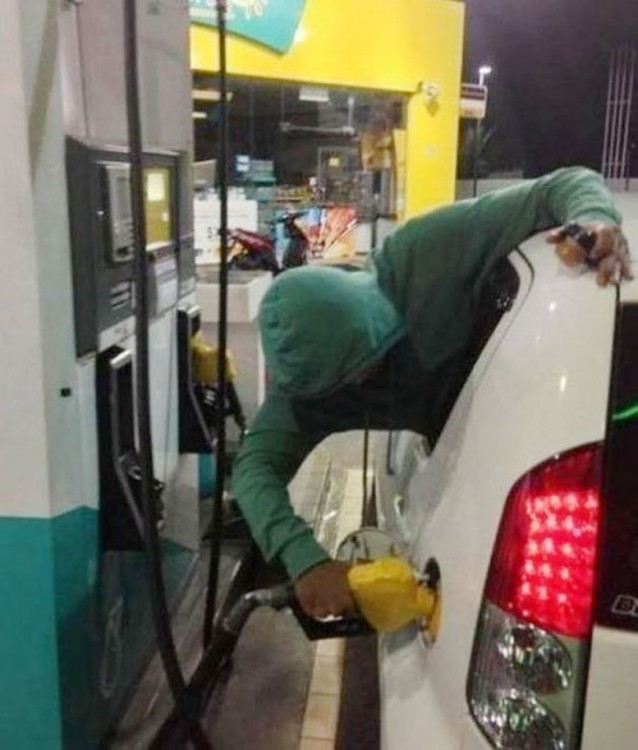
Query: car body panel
[611, 709]
[611, 715]
[473, 739]
[407, 453]
[540, 388]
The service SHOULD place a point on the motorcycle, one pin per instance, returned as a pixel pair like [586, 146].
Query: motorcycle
[251, 251]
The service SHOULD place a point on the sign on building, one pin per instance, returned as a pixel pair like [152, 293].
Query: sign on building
[273, 23]
[473, 101]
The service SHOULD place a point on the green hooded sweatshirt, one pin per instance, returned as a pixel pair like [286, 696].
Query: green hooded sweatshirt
[409, 314]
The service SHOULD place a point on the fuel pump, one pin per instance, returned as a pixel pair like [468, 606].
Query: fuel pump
[103, 246]
[130, 201]
[199, 398]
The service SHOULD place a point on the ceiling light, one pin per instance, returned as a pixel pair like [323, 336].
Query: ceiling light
[314, 94]
[210, 95]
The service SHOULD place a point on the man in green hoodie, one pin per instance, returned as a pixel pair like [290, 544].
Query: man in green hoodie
[376, 348]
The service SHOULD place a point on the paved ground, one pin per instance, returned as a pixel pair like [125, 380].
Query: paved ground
[262, 704]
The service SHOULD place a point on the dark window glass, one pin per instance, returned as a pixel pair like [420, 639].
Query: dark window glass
[497, 296]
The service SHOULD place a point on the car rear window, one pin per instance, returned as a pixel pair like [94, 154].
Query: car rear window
[497, 295]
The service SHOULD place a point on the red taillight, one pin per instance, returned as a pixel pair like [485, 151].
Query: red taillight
[527, 672]
[542, 568]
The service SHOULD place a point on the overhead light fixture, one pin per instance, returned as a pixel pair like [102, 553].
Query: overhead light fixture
[210, 95]
[199, 115]
[314, 94]
[484, 72]
[290, 129]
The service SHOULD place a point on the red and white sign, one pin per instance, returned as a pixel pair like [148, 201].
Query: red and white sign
[473, 101]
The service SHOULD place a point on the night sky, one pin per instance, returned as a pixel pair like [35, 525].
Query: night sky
[549, 87]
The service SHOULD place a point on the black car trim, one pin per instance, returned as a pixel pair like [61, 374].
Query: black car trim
[617, 583]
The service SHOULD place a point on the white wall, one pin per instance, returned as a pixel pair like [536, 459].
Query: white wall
[48, 459]
[46, 126]
[23, 461]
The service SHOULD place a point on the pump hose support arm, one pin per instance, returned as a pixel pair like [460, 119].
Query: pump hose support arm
[186, 702]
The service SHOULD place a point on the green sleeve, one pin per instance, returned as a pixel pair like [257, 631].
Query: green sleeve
[432, 268]
[271, 454]
[499, 221]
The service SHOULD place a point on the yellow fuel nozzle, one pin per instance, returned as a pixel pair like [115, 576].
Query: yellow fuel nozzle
[390, 596]
[205, 356]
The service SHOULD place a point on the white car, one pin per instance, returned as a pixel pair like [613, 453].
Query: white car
[529, 497]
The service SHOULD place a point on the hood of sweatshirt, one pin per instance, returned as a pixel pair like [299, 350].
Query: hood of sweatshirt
[321, 326]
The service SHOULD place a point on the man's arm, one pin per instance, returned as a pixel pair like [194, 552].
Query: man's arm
[433, 267]
[272, 452]
[504, 219]
[271, 455]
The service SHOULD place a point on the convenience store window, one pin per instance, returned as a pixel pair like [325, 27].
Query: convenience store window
[310, 147]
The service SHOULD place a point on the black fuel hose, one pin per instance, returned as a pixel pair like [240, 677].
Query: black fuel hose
[223, 641]
[222, 338]
[186, 702]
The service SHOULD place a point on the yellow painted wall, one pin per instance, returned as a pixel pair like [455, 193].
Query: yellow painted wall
[386, 45]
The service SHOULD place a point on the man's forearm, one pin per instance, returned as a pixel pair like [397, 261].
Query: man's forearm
[579, 195]
[261, 474]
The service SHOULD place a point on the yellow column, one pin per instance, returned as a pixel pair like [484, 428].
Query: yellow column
[431, 157]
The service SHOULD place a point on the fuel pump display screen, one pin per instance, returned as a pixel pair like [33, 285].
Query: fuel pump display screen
[102, 242]
[158, 190]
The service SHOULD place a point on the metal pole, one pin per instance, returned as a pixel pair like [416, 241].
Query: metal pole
[612, 117]
[615, 115]
[484, 72]
[478, 129]
[366, 459]
[622, 82]
[222, 337]
[622, 116]
[251, 120]
[607, 136]
[631, 61]
[631, 113]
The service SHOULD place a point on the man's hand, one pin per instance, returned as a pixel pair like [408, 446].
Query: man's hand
[324, 591]
[611, 252]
